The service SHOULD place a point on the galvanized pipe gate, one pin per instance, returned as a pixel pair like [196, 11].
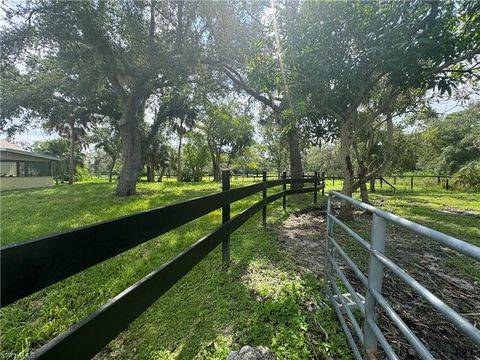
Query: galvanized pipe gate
[369, 334]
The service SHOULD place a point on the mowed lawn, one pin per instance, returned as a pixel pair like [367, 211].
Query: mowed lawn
[259, 300]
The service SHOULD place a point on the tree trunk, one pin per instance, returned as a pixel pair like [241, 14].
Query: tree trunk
[363, 188]
[131, 150]
[162, 172]
[346, 211]
[110, 171]
[179, 158]
[372, 185]
[151, 172]
[216, 169]
[71, 163]
[296, 171]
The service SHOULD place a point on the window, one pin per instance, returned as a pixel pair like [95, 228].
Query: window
[37, 168]
[8, 168]
[25, 168]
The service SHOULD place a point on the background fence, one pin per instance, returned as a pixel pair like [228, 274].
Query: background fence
[391, 182]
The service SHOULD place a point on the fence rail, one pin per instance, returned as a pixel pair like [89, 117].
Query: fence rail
[31, 266]
[370, 334]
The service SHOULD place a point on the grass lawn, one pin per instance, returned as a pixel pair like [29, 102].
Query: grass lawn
[432, 208]
[259, 300]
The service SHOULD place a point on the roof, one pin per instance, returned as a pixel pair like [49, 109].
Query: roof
[12, 148]
[6, 145]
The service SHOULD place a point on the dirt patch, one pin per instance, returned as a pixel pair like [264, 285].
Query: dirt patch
[303, 235]
[425, 260]
[453, 211]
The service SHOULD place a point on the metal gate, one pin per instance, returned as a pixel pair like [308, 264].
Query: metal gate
[369, 334]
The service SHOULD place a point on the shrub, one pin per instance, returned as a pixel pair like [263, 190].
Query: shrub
[469, 176]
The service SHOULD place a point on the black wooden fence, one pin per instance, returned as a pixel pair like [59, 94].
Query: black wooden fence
[32, 266]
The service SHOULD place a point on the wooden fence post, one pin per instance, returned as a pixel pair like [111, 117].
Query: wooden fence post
[333, 180]
[225, 218]
[284, 177]
[264, 195]
[411, 182]
[315, 185]
[446, 185]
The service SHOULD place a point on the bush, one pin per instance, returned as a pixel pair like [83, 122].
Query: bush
[469, 176]
[81, 174]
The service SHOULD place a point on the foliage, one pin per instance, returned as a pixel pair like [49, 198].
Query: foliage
[469, 176]
[252, 160]
[196, 157]
[350, 59]
[275, 141]
[158, 156]
[132, 49]
[106, 138]
[227, 134]
[438, 144]
[82, 173]
[61, 148]
[324, 159]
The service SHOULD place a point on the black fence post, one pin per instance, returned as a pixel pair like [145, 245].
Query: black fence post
[323, 183]
[226, 217]
[315, 185]
[438, 180]
[411, 182]
[333, 180]
[446, 185]
[284, 177]
[264, 195]
[394, 180]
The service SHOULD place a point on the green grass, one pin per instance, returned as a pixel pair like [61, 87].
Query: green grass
[424, 207]
[259, 300]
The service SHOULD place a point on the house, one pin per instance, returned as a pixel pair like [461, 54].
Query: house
[21, 169]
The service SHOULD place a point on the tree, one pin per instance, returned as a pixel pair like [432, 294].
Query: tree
[226, 133]
[449, 142]
[62, 149]
[106, 138]
[54, 95]
[181, 117]
[136, 48]
[196, 155]
[247, 49]
[324, 158]
[276, 145]
[343, 52]
[157, 157]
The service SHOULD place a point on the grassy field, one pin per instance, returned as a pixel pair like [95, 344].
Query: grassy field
[259, 300]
